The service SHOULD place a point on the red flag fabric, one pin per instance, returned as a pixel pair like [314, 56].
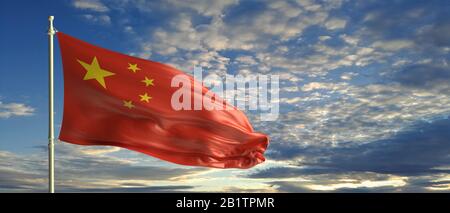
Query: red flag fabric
[119, 100]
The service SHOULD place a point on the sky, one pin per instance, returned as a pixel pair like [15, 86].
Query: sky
[364, 92]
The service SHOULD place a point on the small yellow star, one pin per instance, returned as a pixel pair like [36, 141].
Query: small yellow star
[128, 104]
[133, 67]
[145, 97]
[148, 81]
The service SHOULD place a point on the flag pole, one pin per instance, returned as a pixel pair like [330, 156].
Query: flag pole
[51, 133]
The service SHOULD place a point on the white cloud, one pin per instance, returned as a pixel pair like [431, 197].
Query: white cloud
[286, 20]
[15, 109]
[247, 60]
[205, 7]
[393, 45]
[291, 100]
[94, 5]
[89, 168]
[369, 112]
[186, 43]
[317, 85]
[182, 36]
[348, 75]
[324, 38]
[98, 19]
[129, 29]
[291, 89]
[100, 150]
[335, 23]
[344, 182]
[353, 184]
[349, 39]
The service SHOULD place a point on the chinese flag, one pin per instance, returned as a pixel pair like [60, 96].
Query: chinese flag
[119, 100]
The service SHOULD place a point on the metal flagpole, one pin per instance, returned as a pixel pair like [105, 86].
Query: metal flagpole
[51, 133]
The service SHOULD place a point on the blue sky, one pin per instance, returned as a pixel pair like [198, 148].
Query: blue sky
[364, 91]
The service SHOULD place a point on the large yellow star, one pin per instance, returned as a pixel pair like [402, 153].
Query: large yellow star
[128, 104]
[145, 97]
[148, 81]
[133, 67]
[95, 72]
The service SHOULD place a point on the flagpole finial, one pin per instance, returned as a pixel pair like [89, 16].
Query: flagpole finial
[51, 29]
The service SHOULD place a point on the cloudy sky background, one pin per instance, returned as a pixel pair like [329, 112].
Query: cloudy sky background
[364, 92]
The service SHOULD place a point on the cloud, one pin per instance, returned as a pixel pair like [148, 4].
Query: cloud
[205, 7]
[182, 40]
[335, 23]
[439, 32]
[364, 183]
[339, 113]
[19, 173]
[427, 22]
[324, 38]
[134, 189]
[348, 76]
[93, 5]
[415, 160]
[129, 29]
[100, 150]
[419, 151]
[349, 39]
[413, 152]
[355, 183]
[20, 181]
[88, 169]
[98, 19]
[393, 45]
[246, 60]
[430, 75]
[318, 85]
[15, 109]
